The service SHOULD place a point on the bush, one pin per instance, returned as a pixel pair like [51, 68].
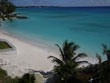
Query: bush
[106, 72]
[27, 78]
[54, 79]
[4, 78]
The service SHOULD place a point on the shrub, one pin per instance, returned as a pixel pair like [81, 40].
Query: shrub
[27, 78]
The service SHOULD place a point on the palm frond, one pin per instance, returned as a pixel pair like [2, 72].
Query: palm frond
[82, 62]
[62, 53]
[65, 44]
[81, 55]
[99, 58]
[104, 46]
[55, 59]
[75, 47]
[71, 44]
[104, 49]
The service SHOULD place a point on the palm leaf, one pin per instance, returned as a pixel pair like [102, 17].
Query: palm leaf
[104, 49]
[82, 62]
[99, 58]
[104, 46]
[71, 44]
[75, 47]
[65, 43]
[55, 59]
[65, 46]
[81, 55]
[62, 53]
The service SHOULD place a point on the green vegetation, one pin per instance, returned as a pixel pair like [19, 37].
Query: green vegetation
[104, 67]
[26, 78]
[6, 10]
[67, 71]
[4, 78]
[66, 67]
[4, 45]
[106, 51]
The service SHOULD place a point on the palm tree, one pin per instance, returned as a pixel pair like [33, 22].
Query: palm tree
[66, 66]
[104, 67]
[106, 51]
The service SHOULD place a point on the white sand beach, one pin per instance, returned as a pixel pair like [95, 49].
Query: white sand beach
[28, 57]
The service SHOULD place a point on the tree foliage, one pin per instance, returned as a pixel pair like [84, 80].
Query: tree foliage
[66, 66]
[106, 51]
[27, 78]
[6, 9]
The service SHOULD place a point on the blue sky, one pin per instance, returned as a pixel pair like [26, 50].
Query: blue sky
[61, 2]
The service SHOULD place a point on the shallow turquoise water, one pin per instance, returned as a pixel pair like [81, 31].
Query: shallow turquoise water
[87, 27]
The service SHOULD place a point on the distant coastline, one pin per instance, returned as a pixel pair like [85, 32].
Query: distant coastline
[63, 6]
[38, 6]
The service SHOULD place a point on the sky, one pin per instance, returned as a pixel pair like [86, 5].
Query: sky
[61, 2]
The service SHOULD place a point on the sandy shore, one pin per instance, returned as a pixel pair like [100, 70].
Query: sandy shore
[28, 57]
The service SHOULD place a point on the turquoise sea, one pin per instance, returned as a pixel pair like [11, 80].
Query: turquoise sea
[87, 27]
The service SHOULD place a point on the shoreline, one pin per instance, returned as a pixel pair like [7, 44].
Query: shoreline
[29, 57]
[43, 44]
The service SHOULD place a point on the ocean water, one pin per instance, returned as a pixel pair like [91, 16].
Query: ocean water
[87, 27]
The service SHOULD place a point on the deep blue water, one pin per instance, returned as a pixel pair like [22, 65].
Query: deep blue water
[87, 27]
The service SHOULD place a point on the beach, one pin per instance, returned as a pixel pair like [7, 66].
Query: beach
[28, 57]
